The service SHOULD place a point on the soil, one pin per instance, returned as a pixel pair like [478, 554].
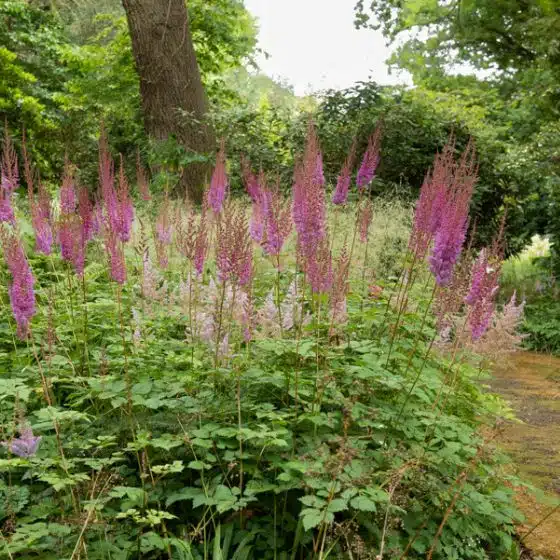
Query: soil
[531, 384]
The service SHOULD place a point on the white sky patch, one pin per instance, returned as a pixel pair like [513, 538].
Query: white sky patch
[313, 45]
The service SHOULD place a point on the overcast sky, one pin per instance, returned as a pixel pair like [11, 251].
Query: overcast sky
[313, 44]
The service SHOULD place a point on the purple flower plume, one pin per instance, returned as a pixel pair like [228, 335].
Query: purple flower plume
[308, 200]
[25, 445]
[452, 228]
[370, 161]
[484, 287]
[340, 194]
[277, 222]
[21, 289]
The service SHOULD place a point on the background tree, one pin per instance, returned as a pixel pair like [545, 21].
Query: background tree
[174, 102]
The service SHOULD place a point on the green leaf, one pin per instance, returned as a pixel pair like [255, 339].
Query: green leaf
[337, 504]
[188, 493]
[362, 503]
[311, 518]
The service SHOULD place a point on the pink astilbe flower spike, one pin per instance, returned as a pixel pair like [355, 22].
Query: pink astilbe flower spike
[278, 223]
[340, 194]
[185, 233]
[219, 183]
[118, 207]
[21, 289]
[432, 200]
[68, 191]
[66, 222]
[40, 208]
[260, 209]
[234, 249]
[142, 179]
[42, 229]
[9, 179]
[319, 268]
[365, 217]
[450, 236]
[484, 287]
[308, 201]
[115, 254]
[370, 161]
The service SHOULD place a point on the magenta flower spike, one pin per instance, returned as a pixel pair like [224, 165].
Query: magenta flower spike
[68, 192]
[319, 269]
[308, 199]
[21, 290]
[233, 247]
[164, 226]
[115, 253]
[219, 182]
[340, 194]
[447, 247]
[370, 161]
[484, 287]
[452, 229]
[41, 220]
[278, 223]
[43, 231]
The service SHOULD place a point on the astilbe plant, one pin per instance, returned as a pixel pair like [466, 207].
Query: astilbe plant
[233, 247]
[340, 194]
[370, 159]
[241, 386]
[22, 286]
[308, 198]
[39, 207]
[452, 229]
[277, 222]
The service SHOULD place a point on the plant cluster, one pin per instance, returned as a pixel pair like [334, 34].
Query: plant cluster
[236, 384]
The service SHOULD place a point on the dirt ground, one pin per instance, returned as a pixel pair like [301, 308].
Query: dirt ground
[531, 384]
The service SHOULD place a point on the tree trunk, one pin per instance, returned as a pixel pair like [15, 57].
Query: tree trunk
[174, 102]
